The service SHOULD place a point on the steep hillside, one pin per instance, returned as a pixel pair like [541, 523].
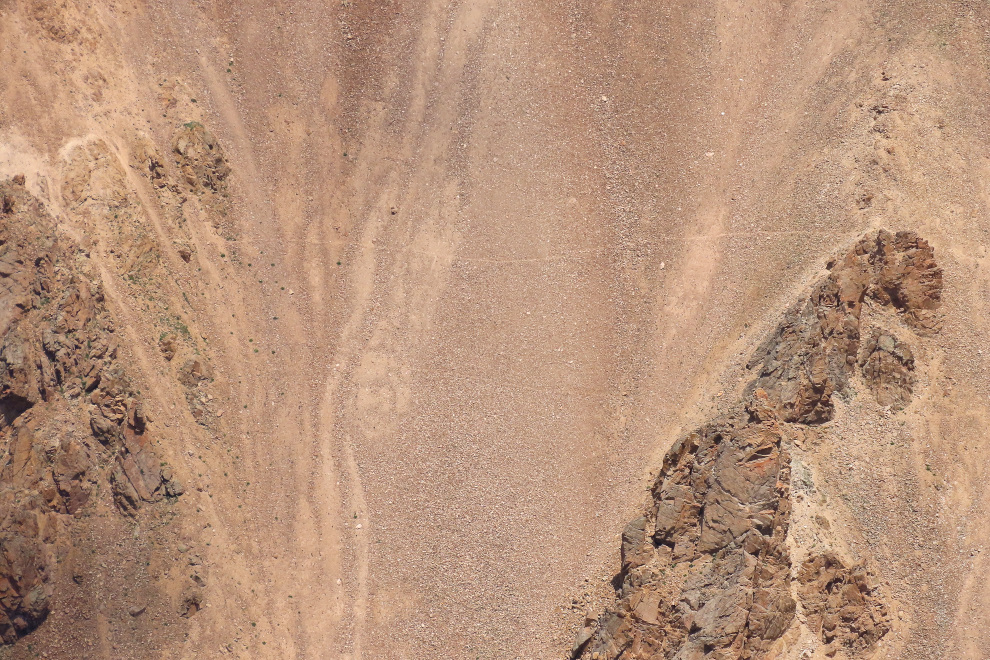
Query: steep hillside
[363, 329]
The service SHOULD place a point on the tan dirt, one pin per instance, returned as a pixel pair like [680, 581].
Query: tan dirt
[494, 258]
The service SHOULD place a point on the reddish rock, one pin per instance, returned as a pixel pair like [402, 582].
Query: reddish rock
[842, 605]
[168, 345]
[814, 351]
[71, 474]
[26, 563]
[56, 344]
[200, 158]
[706, 572]
[193, 371]
[888, 369]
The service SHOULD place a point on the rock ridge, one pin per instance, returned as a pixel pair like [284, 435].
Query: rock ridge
[706, 571]
[58, 363]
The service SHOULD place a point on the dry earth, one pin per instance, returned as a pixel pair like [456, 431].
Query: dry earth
[414, 297]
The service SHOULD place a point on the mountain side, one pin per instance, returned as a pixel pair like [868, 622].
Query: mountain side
[707, 571]
[412, 300]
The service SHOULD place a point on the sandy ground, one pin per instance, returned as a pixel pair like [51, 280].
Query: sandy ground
[495, 257]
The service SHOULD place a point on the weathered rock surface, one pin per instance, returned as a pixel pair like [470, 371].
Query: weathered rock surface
[842, 604]
[200, 159]
[706, 571]
[888, 368]
[58, 360]
[27, 529]
[815, 349]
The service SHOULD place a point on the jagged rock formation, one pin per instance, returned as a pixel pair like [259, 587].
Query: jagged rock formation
[58, 363]
[706, 571]
[200, 159]
[888, 367]
[814, 350]
[26, 561]
[842, 605]
[713, 539]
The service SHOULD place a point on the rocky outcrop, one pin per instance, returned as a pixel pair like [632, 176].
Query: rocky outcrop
[27, 528]
[138, 476]
[814, 351]
[888, 368]
[200, 159]
[842, 604]
[706, 571]
[58, 363]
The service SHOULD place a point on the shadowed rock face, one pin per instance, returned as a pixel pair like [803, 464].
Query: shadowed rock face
[27, 528]
[712, 541]
[706, 571]
[58, 359]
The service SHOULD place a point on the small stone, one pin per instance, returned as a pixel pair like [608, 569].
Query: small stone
[581, 640]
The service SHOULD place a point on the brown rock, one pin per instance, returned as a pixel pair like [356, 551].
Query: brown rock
[104, 430]
[136, 476]
[908, 278]
[812, 353]
[192, 601]
[888, 368]
[168, 345]
[200, 158]
[706, 572]
[192, 372]
[19, 377]
[57, 342]
[841, 604]
[26, 564]
[636, 548]
[71, 476]
[713, 577]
